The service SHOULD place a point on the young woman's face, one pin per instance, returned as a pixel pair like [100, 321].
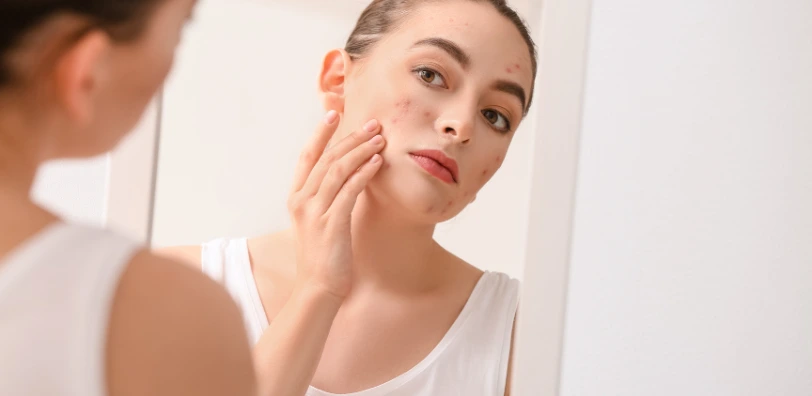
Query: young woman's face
[455, 78]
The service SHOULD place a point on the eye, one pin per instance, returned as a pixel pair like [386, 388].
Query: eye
[497, 119]
[430, 77]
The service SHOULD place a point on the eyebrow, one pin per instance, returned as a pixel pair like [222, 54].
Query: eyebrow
[512, 89]
[448, 46]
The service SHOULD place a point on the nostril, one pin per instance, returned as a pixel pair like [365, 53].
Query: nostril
[449, 130]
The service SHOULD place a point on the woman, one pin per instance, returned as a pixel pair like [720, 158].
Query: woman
[83, 311]
[393, 313]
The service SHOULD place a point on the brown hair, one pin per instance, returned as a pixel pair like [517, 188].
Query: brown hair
[121, 19]
[382, 16]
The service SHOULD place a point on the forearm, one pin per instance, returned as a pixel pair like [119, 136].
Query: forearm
[287, 355]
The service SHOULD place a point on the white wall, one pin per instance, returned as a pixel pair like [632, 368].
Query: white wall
[74, 189]
[692, 252]
[240, 105]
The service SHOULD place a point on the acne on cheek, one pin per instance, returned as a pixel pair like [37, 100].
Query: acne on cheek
[403, 107]
[489, 171]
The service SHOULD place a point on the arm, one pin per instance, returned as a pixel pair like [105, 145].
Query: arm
[175, 332]
[326, 187]
[287, 355]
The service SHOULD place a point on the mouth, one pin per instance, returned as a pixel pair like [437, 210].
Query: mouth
[437, 164]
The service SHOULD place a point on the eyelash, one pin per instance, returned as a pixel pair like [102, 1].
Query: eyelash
[421, 69]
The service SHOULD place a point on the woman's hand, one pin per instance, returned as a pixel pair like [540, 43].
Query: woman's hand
[326, 186]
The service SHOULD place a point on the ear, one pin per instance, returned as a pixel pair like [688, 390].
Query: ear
[79, 73]
[332, 79]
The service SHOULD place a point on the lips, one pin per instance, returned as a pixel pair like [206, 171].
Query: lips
[437, 164]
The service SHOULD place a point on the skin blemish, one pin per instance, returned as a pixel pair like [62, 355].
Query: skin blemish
[403, 109]
[499, 159]
[427, 114]
[517, 66]
[509, 70]
[404, 105]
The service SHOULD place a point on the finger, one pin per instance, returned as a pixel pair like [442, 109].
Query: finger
[314, 149]
[335, 153]
[346, 198]
[343, 169]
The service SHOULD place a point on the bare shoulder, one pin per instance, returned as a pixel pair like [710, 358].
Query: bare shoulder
[274, 254]
[458, 268]
[174, 331]
[188, 255]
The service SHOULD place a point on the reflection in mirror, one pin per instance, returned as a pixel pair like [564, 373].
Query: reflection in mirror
[450, 86]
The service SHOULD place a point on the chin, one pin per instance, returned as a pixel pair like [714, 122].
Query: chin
[410, 192]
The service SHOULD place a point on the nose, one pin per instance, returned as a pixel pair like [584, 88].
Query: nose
[457, 125]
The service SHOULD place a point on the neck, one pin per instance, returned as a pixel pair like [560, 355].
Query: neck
[390, 251]
[18, 164]
[20, 217]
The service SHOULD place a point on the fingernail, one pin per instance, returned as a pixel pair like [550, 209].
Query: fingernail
[375, 159]
[378, 139]
[330, 117]
[371, 126]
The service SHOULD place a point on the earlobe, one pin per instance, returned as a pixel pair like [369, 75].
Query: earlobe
[79, 73]
[332, 79]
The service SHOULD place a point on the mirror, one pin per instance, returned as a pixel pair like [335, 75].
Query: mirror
[242, 102]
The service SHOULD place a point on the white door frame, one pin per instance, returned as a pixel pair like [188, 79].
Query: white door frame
[562, 41]
[131, 178]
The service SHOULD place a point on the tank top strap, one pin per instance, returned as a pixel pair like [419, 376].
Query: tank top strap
[227, 261]
[489, 332]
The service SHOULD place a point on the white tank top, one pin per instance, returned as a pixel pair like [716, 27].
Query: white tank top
[470, 360]
[56, 292]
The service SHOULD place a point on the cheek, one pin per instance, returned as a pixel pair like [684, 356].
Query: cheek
[490, 168]
[402, 109]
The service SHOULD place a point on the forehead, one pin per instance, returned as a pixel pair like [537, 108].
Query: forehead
[491, 40]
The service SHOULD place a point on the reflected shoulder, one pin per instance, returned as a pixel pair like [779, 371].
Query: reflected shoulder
[175, 331]
[187, 255]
